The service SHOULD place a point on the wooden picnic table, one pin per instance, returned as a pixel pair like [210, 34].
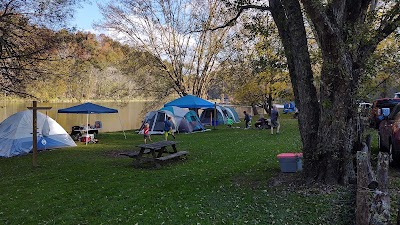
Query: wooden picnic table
[156, 150]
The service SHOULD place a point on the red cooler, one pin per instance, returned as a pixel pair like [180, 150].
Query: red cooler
[85, 138]
[290, 162]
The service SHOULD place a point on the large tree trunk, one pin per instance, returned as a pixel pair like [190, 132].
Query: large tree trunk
[289, 20]
[336, 135]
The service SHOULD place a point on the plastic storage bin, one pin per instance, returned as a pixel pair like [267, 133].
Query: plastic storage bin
[290, 162]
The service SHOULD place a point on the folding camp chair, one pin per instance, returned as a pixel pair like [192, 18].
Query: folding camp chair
[75, 133]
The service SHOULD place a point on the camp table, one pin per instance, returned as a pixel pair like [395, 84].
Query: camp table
[160, 148]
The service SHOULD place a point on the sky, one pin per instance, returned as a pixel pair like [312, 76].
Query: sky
[84, 17]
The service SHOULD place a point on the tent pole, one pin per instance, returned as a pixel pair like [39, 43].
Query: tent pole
[215, 114]
[87, 128]
[121, 126]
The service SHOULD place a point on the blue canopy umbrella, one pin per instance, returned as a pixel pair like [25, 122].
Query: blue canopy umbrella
[190, 101]
[90, 108]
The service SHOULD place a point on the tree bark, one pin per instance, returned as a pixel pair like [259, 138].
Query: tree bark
[289, 20]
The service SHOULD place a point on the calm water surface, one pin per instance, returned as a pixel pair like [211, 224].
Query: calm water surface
[129, 114]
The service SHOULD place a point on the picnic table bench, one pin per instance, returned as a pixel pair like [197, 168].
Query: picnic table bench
[156, 150]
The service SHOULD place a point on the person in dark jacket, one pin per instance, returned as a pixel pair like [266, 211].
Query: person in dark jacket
[274, 120]
[246, 119]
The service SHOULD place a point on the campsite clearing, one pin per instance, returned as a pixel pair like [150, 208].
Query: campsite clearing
[231, 177]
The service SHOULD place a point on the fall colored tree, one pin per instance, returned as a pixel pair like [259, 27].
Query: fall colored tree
[25, 39]
[176, 34]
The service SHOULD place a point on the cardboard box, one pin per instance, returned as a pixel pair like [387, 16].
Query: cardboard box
[290, 162]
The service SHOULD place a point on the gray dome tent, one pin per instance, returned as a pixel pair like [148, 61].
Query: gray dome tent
[183, 120]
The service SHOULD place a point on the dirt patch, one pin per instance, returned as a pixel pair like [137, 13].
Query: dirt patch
[293, 182]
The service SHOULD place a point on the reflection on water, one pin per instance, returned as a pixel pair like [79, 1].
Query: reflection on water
[129, 115]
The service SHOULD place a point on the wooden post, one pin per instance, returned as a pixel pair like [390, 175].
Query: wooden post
[362, 199]
[371, 178]
[382, 171]
[380, 205]
[34, 131]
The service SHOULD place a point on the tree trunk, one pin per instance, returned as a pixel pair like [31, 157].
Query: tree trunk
[289, 20]
[338, 119]
[328, 126]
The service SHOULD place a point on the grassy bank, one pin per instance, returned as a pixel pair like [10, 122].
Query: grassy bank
[231, 176]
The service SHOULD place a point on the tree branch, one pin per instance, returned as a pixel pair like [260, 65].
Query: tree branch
[387, 27]
[241, 9]
[317, 13]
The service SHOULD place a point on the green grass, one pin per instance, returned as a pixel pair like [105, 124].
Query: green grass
[226, 179]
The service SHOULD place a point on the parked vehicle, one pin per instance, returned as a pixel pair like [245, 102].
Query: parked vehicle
[389, 135]
[397, 95]
[376, 114]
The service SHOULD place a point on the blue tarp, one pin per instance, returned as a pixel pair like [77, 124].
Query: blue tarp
[190, 101]
[88, 108]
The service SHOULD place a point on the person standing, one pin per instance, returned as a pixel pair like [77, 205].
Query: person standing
[229, 121]
[146, 132]
[168, 128]
[274, 120]
[246, 120]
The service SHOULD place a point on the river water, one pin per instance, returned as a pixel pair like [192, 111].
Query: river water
[129, 114]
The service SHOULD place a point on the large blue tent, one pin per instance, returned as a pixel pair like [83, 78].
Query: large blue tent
[89, 108]
[190, 101]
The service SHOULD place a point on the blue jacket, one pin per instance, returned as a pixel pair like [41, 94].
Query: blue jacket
[167, 125]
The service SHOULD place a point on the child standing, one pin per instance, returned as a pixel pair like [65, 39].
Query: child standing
[146, 132]
[229, 122]
[168, 128]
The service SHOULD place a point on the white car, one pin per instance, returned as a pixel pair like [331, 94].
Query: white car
[397, 95]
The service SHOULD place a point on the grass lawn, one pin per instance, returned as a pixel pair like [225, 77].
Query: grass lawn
[231, 176]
